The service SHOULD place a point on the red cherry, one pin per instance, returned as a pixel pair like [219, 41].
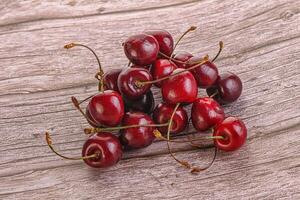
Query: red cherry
[127, 82]
[182, 57]
[106, 146]
[164, 39]
[162, 114]
[139, 137]
[141, 49]
[106, 108]
[206, 113]
[227, 88]
[181, 88]
[110, 79]
[234, 132]
[206, 74]
[161, 68]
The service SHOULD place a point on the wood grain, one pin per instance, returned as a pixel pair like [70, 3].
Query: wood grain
[37, 78]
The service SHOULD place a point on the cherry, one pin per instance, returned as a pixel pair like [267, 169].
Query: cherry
[141, 49]
[143, 104]
[127, 82]
[164, 39]
[234, 133]
[110, 79]
[106, 146]
[102, 149]
[206, 113]
[136, 137]
[162, 114]
[182, 57]
[227, 88]
[181, 88]
[206, 74]
[139, 66]
[161, 68]
[106, 108]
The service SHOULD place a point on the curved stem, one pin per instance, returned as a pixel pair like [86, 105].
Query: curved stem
[77, 106]
[199, 169]
[221, 45]
[49, 142]
[95, 130]
[192, 28]
[100, 74]
[142, 83]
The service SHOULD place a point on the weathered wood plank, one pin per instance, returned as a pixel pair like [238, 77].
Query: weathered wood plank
[38, 77]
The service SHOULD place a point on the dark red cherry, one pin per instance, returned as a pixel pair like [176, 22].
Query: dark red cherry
[162, 114]
[106, 108]
[164, 39]
[182, 57]
[141, 66]
[227, 88]
[144, 104]
[141, 49]
[127, 82]
[181, 88]
[206, 74]
[234, 132]
[106, 146]
[161, 68]
[110, 79]
[206, 113]
[133, 138]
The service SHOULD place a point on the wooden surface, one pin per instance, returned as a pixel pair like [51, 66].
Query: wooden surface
[37, 78]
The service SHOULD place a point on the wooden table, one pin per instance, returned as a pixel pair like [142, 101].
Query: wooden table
[38, 77]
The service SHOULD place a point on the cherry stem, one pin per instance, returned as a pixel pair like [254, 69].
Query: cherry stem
[142, 83]
[82, 101]
[95, 130]
[100, 74]
[77, 106]
[49, 142]
[221, 46]
[192, 28]
[214, 94]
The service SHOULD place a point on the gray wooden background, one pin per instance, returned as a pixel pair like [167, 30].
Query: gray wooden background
[37, 78]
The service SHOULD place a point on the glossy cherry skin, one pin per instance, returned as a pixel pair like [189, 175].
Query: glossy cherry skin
[127, 82]
[227, 88]
[110, 79]
[164, 39]
[182, 57]
[206, 113]
[144, 104]
[161, 68]
[206, 74]
[234, 133]
[181, 88]
[106, 108]
[141, 49]
[162, 114]
[133, 138]
[108, 148]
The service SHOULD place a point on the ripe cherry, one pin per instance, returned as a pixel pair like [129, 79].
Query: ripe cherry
[181, 88]
[128, 79]
[162, 114]
[227, 88]
[234, 133]
[141, 49]
[206, 113]
[106, 146]
[106, 108]
[182, 57]
[161, 68]
[110, 79]
[144, 104]
[136, 137]
[164, 39]
[206, 74]
[101, 150]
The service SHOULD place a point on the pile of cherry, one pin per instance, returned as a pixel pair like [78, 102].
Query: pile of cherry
[125, 103]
